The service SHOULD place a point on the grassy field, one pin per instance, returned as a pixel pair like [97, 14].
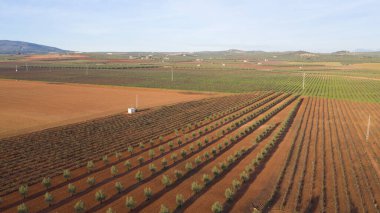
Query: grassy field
[339, 77]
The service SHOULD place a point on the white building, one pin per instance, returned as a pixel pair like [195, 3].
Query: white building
[131, 110]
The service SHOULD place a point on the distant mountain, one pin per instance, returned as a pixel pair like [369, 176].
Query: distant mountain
[366, 50]
[20, 47]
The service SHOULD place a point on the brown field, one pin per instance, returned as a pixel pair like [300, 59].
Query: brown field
[299, 153]
[29, 106]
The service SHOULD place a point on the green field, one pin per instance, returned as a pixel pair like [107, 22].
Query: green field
[334, 79]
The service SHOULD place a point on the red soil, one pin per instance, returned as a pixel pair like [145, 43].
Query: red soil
[30, 106]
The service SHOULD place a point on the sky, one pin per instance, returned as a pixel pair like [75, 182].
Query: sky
[193, 25]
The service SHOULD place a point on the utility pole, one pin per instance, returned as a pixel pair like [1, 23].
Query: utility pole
[369, 123]
[137, 101]
[26, 66]
[172, 74]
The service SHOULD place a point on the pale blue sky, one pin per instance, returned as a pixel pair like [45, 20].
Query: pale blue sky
[193, 25]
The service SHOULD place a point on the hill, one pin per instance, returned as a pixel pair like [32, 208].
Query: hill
[20, 47]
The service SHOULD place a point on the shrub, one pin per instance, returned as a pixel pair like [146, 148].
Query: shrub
[152, 168]
[213, 151]
[130, 149]
[79, 207]
[230, 159]
[229, 194]
[151, 142]
[178, 174]
[23, 190]
[179, 141]
[199, 144]
[141, 145]
[130, 202]
[162, 149]
[148, 193]
[127, 165]
[174, 157]
[46, 182]
[118, 155]
[164, 163]
[22, 208]
[183, 153]
[215, 170]
[198, 160]
[140, 160]
[164, 209]
[220, 147]
[66, 174]
[161, 138]
[195, 187]
[110, 210]
[105, 159]
[206, 179]
[236, 184]
[114, 171]
[206, 140]
[179, 199]
[191, 148]
[166, 180]
[48, 198]
[189, 166]
[223, 165]
[244, 176]
[71, 188]
[139, 176]
[171, 144]
[90, 166]
[119, 187]
[151, 153]
[217, 207]
[91, 181]
[100, 196]
[206, 155]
